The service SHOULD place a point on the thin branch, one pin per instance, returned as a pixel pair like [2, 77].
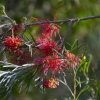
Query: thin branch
[74, 84]
[66, 20]
[3, 62]
[67, 87]
[69, 29]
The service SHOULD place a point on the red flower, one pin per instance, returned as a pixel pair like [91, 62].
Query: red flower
[46, 45]
[55, 64]
[48, 29]
[51, 83]
[72, 60]
[52, 64]
[12, 43]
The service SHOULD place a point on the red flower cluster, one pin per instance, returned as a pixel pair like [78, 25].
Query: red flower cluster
[51, 82]
[46, 45]
[71, 60]
[12, 43]
[45, 42]
[50, 60]
[48, 55]
[18, 56]
[48, 29]
[53, 64]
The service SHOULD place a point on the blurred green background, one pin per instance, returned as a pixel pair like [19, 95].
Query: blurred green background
[85, 31]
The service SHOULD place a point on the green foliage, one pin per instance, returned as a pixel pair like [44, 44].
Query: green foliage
[19, 76]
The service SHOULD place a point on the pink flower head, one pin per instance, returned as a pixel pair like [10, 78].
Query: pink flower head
[46, 45]
[48, 29]
[52, 64]
[72, 60]
[12, 43]
[51, 82]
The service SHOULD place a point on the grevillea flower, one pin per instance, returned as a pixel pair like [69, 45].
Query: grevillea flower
[46, 45]
[12, 43]
[72, 60]
[45, 42]
[55, 64]
[52, 64]
[49, 29]
[51, 82]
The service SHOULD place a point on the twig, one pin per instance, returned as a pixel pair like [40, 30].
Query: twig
[3, 62]
[69, 29]
[67, 87]
[66, 20]
[75, 85]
